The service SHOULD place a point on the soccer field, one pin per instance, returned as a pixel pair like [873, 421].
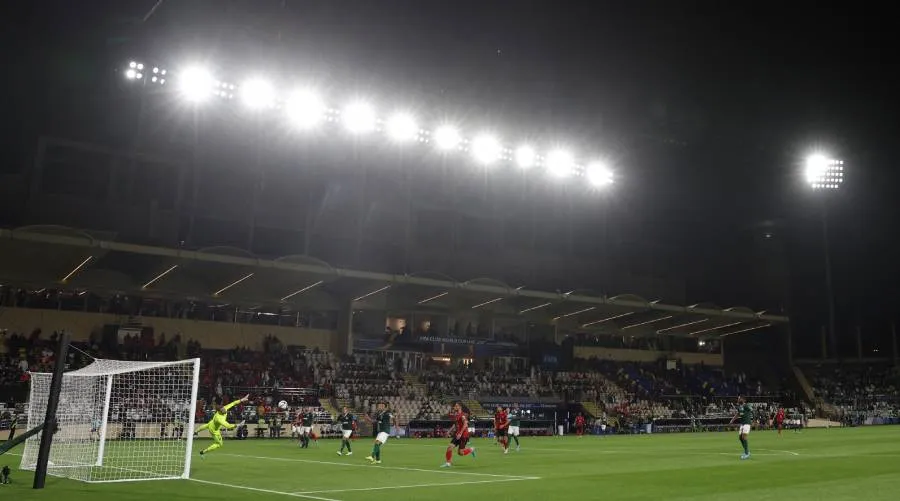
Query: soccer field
[857, 464]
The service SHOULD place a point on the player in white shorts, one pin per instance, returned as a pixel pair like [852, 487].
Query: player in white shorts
[745, 412]
[347, 422]
[384, 419]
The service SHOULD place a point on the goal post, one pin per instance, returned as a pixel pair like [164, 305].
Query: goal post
[118, 421]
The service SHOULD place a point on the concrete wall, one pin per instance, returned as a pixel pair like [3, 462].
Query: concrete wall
[209, 334]
[622, 355]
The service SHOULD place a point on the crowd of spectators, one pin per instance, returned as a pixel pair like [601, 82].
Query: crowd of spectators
[858, 393]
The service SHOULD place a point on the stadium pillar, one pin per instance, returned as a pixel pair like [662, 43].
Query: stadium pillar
[894, 340]
[40, 471]
[789, 336]
[345, 329]
[824, 343]
[859, 350]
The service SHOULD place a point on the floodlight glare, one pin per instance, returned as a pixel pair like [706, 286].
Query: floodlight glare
[560, 163]
[823, 172]
[359, 118]
[132, 64]
[305, 109]
[447, 137]
[257, 94]
[196, 84]
[402, 127]
[599, 175]
[130, 74]
[525, 156]
[486, 149]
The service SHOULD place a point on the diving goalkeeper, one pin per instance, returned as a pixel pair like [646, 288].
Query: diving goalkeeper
[219, 421]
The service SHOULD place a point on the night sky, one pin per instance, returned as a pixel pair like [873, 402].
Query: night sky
[707, 110]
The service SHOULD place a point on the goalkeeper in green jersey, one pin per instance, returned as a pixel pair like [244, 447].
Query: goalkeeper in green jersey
[219, 421]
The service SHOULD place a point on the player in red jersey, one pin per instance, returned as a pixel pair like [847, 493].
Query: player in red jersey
[779, 420]
[459, 435]
[579, 424]
[501, 427]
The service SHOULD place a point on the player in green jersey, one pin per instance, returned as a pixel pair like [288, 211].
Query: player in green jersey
[306, 422]
[383, 420]
[347, 422]
[745, 413]
[515, 420]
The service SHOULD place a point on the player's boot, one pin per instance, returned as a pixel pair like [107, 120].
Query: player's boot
[350, 453]
[473, 453]
[340, 453]
[506, 451]
[446, 465]
[745, 456]
[370, 459]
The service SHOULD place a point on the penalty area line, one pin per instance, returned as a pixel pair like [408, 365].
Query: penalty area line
[267, 491]
[414, 486]
[400, 468]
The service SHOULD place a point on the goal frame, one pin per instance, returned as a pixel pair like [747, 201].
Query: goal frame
[104, 425]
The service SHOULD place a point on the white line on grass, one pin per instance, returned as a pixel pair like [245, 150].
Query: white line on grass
[442, 472]
[792, 453]
[419, 485]
[267, 491]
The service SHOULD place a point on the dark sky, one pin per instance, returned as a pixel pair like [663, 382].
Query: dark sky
[707, 107]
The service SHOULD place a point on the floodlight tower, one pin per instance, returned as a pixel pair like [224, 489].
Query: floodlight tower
[826, 174]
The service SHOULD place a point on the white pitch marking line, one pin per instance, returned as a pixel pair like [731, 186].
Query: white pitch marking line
[419, 485]
[267, 491]
[441, 472]
[792, 453]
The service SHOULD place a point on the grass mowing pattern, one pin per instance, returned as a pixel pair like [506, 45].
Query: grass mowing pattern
[836, 464]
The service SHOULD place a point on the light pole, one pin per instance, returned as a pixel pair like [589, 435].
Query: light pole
[826, 174]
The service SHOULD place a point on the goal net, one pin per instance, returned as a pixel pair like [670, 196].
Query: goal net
[118, 421]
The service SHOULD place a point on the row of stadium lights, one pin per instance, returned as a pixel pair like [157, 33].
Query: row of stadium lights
[305, 109]
[824, 173]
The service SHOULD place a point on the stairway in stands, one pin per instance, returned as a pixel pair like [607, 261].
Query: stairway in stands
[593, 410]
[331, 406]
[476, 409]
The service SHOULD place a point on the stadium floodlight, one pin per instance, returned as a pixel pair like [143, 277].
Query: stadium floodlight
[560, 163]
[402, 127]
[130, 74]
[196, 84]
[599, 175]
[525, 156]
[305, 109]
[257, 94]
[486, 149]
[823, 172]
[447, 137]
[359, 118]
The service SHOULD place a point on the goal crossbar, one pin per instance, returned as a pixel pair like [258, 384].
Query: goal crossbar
[119, 421]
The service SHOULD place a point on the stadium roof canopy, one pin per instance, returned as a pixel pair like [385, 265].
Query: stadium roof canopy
[52, 256]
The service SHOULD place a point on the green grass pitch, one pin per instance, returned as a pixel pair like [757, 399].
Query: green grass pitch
[836, 464]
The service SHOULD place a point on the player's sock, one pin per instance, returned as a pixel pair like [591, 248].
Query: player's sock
[516, 439]
[449, 455]
[376, 451]
[465, 452]
[212, 447]
[348, 446]
[745, 445]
